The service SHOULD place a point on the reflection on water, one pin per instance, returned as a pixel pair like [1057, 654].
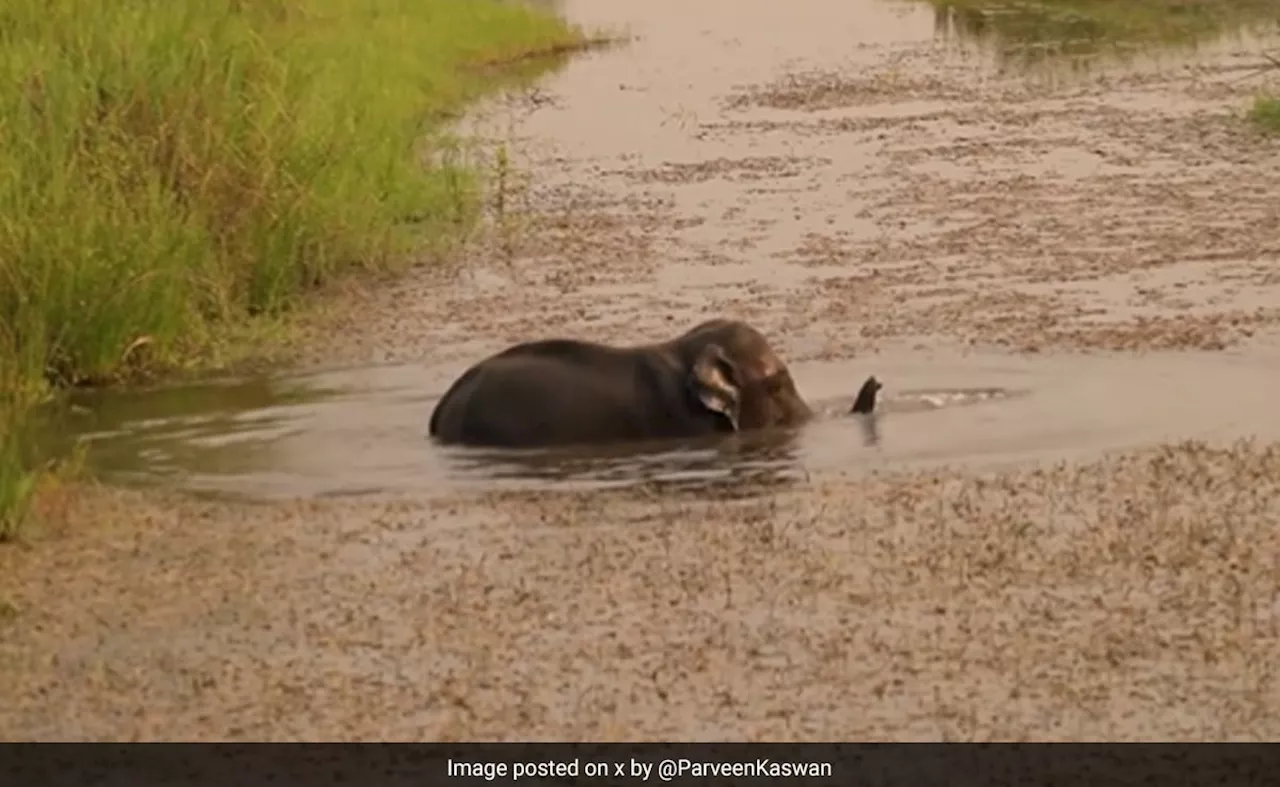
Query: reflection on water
[1074, 34]
[759, 461]
[363, 431]
[220, 427]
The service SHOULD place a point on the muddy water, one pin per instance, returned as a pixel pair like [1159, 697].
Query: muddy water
[362, 431]
[1066, 39]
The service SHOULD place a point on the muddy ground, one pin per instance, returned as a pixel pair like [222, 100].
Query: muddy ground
[855, 187]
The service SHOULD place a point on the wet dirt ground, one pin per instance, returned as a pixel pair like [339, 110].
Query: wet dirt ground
[1094, 555]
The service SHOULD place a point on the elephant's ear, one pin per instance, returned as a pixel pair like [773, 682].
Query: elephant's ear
[715, 382]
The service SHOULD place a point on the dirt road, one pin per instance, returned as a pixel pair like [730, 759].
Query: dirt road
[865, 193]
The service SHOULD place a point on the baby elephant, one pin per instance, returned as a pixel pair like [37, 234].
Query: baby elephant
[720, 376]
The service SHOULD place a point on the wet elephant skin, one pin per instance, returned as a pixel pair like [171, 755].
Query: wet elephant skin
[720, 376]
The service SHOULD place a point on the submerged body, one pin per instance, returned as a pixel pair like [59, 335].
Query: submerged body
[720, 376]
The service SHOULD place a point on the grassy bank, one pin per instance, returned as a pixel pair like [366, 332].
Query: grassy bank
[170, 170]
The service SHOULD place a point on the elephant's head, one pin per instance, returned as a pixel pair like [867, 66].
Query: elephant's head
[735, 374]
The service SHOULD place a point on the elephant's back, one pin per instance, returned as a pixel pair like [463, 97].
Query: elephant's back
[445, 423]
[525, 399]
[449, 418]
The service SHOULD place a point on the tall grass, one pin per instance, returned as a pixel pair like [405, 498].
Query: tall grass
[169, 168]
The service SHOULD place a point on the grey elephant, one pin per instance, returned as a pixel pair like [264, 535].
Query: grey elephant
[720, 376]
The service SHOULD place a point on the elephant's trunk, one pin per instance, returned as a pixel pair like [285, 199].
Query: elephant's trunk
[866, 401]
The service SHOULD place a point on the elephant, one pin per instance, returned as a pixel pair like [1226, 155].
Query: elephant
[721, 376]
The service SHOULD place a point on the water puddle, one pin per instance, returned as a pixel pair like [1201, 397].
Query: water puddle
[363, 431]
[1077, 34]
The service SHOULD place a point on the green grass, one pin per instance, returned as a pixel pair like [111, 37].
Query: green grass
[170, 170]
[1266, 113]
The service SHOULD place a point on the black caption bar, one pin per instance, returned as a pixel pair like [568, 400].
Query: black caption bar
[635, 765]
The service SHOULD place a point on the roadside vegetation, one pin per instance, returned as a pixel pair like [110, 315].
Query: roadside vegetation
[172, 172]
